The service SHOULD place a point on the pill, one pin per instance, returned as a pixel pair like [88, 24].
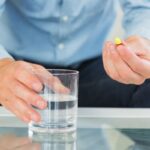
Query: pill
[118, 41]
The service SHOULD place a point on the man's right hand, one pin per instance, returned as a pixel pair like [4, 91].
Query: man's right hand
[19, 88]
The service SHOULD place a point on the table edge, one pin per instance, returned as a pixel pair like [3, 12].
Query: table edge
[102, 112]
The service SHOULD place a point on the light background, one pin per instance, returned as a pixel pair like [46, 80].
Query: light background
[117, 29]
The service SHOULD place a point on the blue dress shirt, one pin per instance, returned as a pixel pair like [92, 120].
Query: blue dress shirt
[64, 32]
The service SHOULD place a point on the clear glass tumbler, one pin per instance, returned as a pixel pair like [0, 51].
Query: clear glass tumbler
[60, 114]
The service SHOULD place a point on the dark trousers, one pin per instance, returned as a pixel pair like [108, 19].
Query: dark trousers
[96, 89]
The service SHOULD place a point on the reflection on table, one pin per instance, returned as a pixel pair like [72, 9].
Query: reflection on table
[104, 138]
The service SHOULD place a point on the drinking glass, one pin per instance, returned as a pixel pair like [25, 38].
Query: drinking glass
[61, 95]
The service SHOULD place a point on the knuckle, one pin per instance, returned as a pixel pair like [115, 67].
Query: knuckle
[39, 67]
[133, 37]
[18, 68]
[136, 37]
[20, 63]
[34, 83]
[30, 78]
[26, 78]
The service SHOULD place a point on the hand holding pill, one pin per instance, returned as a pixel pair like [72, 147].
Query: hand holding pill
[127, 61]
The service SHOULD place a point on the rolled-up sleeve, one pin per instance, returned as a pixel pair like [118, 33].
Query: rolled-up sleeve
[136, 19]
[3, 51]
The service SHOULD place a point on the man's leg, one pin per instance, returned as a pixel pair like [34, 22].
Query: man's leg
[96, 89]
[141, 97]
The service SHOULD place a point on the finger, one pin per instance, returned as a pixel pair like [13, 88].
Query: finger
[125, 73]
[137, 64]
[29, 79]
[29, 96]
[7, 104]
[47, 78]
[16, 112]
[139, 45]
[21, 109]
[135, 46]
[108, 64]
[57, 86]
[135, 42]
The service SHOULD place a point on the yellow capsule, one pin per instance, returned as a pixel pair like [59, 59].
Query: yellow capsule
[118, 41]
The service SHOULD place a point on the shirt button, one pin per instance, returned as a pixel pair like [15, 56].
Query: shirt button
[61, 46]
[65, 18]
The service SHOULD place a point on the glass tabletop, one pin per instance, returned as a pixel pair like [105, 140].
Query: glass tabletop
[93, 133]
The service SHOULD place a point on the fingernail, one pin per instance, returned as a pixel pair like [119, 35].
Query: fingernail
[41, 104]
[37, 87]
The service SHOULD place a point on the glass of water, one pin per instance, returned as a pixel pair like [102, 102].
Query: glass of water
[60, 115]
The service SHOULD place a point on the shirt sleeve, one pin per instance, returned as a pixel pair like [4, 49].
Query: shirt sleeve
[3, 51]
[136, 17]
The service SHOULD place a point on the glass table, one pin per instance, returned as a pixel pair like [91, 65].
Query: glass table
[95, 132]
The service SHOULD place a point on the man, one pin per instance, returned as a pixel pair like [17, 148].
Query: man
[70, 34]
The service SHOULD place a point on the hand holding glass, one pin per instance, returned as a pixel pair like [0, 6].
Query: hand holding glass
[61, 111]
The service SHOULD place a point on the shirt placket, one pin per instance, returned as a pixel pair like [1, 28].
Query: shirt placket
[63, 30]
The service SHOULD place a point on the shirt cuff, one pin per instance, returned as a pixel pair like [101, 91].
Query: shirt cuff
[4, 53]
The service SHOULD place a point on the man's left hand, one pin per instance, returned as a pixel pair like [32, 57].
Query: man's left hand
[128, 63]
